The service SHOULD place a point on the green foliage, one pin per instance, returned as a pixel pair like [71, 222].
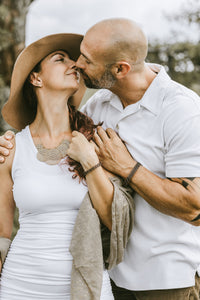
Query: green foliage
[190, 13]
[181, 60]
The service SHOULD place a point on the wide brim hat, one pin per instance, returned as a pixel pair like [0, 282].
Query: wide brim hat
[16, 111]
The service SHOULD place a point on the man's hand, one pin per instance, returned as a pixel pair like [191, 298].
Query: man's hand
[112, 152]
[6, 144]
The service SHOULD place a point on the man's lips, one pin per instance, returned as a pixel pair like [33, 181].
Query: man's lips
[84, 75]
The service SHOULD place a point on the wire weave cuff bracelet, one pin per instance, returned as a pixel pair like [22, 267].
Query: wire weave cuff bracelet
[127, 180]
[92, 169]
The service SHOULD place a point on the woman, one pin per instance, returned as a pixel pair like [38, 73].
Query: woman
[35, 177]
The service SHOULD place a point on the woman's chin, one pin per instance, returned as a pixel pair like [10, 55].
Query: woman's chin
[74, 89]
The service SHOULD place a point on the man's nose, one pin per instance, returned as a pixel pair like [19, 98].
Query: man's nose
[79, 63]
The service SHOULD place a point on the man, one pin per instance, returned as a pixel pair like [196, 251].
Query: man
[159, 122]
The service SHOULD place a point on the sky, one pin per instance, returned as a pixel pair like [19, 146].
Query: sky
[76, 16]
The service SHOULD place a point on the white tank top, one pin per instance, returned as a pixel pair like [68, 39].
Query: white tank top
[38, 264]
[41, 188]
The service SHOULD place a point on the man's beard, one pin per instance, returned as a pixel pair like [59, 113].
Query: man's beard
[106, 81]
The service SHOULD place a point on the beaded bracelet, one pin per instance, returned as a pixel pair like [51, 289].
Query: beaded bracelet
[92, 169]
[127, 180]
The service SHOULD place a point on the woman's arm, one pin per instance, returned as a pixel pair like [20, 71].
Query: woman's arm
[7, 205]
[99, 186]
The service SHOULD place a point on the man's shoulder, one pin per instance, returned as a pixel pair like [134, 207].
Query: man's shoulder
[180, 109]
[179, 97]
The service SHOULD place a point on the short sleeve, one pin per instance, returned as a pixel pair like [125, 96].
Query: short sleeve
[182, 141]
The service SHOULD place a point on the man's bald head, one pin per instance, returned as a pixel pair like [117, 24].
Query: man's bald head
[118, 39]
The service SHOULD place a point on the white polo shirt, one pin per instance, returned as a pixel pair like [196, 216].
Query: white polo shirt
[162, 132]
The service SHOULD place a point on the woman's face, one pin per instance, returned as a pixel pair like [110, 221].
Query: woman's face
[58, 72]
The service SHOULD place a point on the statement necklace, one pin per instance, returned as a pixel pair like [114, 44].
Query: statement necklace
[54, 155]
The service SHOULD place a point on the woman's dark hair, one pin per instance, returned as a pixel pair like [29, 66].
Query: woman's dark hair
[78, 121]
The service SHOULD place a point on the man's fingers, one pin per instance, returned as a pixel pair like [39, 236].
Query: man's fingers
[4, 151]
[4, 144]
[9, 135]
[97, 139]
[102, 133]
[111, 133]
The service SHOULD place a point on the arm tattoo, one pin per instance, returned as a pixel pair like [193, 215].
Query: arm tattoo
[196, 218]
[196, 189]
[183, 182]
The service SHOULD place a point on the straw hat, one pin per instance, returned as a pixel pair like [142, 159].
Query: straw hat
[16, 110]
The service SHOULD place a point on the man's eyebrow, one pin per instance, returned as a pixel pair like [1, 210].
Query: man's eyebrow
[85, 56]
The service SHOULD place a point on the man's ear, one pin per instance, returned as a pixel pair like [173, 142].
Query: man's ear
[35, 79]
[121, 69]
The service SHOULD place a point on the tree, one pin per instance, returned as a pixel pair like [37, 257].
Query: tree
[12, 37]
[182, 59]
[190, 14]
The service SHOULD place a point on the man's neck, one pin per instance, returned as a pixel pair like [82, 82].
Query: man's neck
[132, 88]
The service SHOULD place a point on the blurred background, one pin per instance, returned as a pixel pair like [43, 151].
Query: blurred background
[172, 28]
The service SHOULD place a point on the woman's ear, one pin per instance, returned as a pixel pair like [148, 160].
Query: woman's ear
[35, 79]
[121, 69]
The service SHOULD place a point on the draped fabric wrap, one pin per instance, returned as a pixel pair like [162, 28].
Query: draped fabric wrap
[93, 245]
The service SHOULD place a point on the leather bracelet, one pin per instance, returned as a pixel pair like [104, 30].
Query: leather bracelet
[127, 180]
[92, 169]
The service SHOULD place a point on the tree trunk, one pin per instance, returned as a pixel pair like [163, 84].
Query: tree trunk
[12, 37]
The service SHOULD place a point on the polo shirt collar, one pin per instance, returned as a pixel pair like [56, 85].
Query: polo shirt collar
[153, 97]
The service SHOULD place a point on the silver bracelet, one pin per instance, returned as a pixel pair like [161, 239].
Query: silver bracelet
[91, 169]
[4, 247]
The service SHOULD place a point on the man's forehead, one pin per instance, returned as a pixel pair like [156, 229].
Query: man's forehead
[87, 49]
[91, 46]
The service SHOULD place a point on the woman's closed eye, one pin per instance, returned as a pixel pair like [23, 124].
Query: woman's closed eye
[60, 59]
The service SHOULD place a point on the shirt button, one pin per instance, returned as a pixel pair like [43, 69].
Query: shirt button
[117, 126]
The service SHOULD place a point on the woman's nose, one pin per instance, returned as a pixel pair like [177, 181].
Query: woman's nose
[72, 64]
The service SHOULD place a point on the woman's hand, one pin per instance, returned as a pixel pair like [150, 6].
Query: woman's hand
[0, 266]
[99, 186]
[83, 151]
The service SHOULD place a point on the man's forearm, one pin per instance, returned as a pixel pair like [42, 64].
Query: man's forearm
[177, 197]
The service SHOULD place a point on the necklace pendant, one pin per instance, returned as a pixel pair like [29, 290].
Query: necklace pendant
[54, 155]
